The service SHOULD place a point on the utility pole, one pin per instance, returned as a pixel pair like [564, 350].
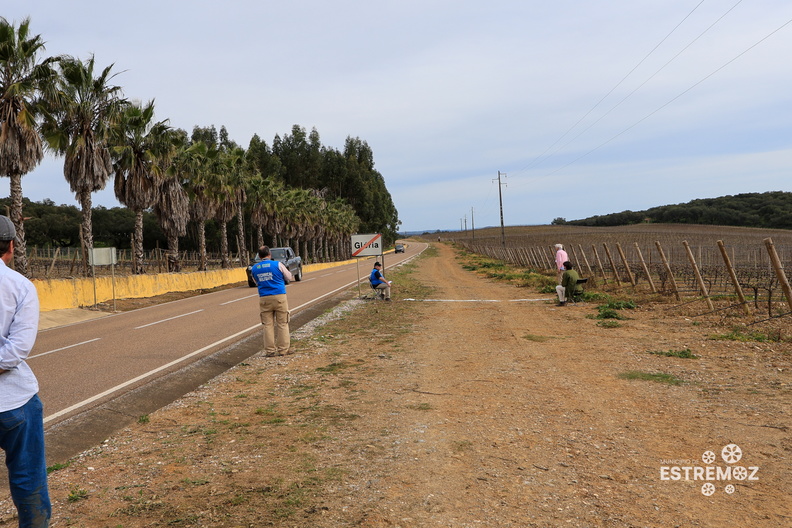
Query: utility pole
[500, 198]
[465, 225]
[472, 225]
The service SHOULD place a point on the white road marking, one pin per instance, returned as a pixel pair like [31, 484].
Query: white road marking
[64, 348]
[144, 376]
[240, 299]
[168, 319]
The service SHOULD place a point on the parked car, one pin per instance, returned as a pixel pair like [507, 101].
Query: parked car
[399, 248]
[282, 254]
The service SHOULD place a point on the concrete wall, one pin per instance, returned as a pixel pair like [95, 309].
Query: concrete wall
[58, 294]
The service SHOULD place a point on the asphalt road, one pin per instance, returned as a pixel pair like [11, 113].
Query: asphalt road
[100, 375]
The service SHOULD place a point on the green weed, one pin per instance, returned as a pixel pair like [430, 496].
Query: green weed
[744, 335]
[684, 353]
[76, 494]
[659, 377]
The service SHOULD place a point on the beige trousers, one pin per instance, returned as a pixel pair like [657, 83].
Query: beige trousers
[275, 318]
[386, 287]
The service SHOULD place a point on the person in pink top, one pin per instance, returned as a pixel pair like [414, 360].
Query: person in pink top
[560, 257]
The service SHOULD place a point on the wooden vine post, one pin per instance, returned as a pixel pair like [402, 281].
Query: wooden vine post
[779, 270]
[668, 270]
[626, 264]
[733, 275]
[645, 268]
[613, 266]
[699, 279]
[599, 263]
[586, 262]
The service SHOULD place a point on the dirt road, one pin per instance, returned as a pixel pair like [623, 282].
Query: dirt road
[477, 404]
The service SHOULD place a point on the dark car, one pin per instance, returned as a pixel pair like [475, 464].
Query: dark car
[282, 254]
[399, 248]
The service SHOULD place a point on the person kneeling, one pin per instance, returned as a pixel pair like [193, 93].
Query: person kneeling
[569, 284]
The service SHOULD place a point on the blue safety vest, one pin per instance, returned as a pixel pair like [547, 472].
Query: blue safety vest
[269, 278]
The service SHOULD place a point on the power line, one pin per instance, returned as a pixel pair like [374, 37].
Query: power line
[673, 99]
[650, 77]
[535, 160]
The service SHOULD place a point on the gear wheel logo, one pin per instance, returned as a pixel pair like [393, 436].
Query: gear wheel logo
[708, 457]
[729, 489]
[708, 489]
[731, 453]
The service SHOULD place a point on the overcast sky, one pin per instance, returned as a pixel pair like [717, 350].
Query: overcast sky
[586, 107]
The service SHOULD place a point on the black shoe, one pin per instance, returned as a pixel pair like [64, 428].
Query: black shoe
[562, 303]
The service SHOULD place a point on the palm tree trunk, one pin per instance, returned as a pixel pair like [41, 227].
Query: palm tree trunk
[139, 255]
[241, 245]
[20, 247]
[202, 264]
[260, 236]
[174, 265]
[224, 260]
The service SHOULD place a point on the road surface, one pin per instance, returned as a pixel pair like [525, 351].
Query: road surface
[98, 376]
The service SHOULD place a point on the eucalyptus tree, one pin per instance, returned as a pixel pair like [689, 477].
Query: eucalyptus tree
[300, 154]
[23, 79]
[77, 125]
[172, 202]
[142, 149]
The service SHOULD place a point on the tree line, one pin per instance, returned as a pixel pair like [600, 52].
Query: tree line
[769, 210]
[295, 191]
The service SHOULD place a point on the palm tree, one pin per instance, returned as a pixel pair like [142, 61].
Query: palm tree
[223, 195]
[141, 150]
[22, 80]
[172, 204]
[239, 178]
[201, 161]
[77, 125]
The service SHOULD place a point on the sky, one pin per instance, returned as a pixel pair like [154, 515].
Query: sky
[583, 108]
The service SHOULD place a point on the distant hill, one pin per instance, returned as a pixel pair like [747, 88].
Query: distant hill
[770, 210]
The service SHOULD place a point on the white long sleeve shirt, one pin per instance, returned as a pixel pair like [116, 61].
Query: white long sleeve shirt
[19, 317]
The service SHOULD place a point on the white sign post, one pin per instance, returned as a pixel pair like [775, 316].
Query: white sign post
[103, 257]
[366, 246]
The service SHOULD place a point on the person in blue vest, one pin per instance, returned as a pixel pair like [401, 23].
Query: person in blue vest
[379, 282]
[271, 277]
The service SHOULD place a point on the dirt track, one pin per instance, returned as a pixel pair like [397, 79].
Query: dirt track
[503, 411]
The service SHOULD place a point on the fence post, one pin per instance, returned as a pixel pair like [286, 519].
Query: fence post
[779, 270]
[733, 275]
[645, 268]
[702, 286]
[613, 266]
[585, 260]
[54, 260]
[626, 264]
[599, 263]
[668, 270]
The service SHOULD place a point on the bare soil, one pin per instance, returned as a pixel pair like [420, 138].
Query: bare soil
[479, 404]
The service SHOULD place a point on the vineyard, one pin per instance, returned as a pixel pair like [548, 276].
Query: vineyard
[720, 268]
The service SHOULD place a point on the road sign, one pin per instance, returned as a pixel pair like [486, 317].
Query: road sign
[102, 256]
[366, 245]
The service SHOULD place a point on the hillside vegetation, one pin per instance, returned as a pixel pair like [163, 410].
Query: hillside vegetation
[770, 210]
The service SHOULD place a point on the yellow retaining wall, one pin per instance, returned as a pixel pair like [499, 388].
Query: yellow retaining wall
[57, 294]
